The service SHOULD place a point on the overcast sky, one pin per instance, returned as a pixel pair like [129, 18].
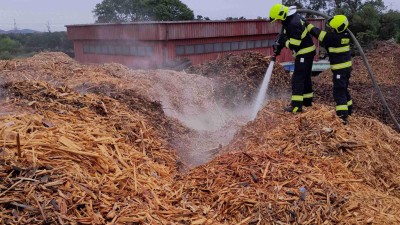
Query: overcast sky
[35, 14]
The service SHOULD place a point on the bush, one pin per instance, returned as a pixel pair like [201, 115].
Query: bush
[8, 45]
[5, 55]
[398, 37]
[367, 39]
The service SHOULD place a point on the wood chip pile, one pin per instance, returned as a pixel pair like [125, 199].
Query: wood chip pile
[348, 175]
[177, 91]
[385, 61]
[80, 159]
[59, 69]
[242, 74]
[74, 156]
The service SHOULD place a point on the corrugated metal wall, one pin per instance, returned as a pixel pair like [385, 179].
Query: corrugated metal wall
[140, 62]
[157, 31]
[154, 44]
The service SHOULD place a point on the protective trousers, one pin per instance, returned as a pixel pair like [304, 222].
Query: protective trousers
[302, 92]
[341, 94]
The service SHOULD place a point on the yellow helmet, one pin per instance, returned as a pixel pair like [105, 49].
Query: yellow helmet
[278, 12]
[339, 23]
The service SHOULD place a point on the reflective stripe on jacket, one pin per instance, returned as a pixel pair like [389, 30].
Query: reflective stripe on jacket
[298, 38]
[337, 45]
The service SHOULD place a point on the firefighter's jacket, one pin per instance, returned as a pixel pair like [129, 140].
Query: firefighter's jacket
[296, 37]
[337, 46]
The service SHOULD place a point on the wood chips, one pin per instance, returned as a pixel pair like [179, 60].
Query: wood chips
[69, 157]
[83, 158]
[239, 76]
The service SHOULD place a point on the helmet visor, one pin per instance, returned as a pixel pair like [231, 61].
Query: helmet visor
[341, 28]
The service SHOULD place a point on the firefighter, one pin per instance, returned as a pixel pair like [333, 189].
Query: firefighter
[297, 38]
[337, 43]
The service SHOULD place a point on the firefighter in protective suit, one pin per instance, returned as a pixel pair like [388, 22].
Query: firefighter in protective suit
[296, 37]
[337, 44]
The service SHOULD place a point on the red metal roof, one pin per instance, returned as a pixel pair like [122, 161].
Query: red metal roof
[159, 31]
[169, 41]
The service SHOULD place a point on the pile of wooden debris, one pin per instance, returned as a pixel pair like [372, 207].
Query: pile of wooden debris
[240, 75]
[104, 157]
[80, 159]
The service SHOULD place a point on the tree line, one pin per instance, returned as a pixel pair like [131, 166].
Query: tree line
[25, 45]
[370, 21]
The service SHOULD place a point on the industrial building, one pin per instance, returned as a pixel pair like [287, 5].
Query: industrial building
[160, 44]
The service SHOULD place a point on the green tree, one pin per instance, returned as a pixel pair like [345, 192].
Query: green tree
[365, 23]
[331, 7]
[8, 47]
[200, 17]
[7, 44]
[397, 38]
[389, 25]
[116, 11]
[28, 44]
[54, 41]
[369, 19]
[298, 3]
[235, 18]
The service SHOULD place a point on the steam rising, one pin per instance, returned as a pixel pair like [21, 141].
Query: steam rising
[190, 99]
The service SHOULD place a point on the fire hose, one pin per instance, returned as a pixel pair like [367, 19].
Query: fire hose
[369, 68]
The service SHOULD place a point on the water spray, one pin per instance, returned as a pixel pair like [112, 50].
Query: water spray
[261, 96]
